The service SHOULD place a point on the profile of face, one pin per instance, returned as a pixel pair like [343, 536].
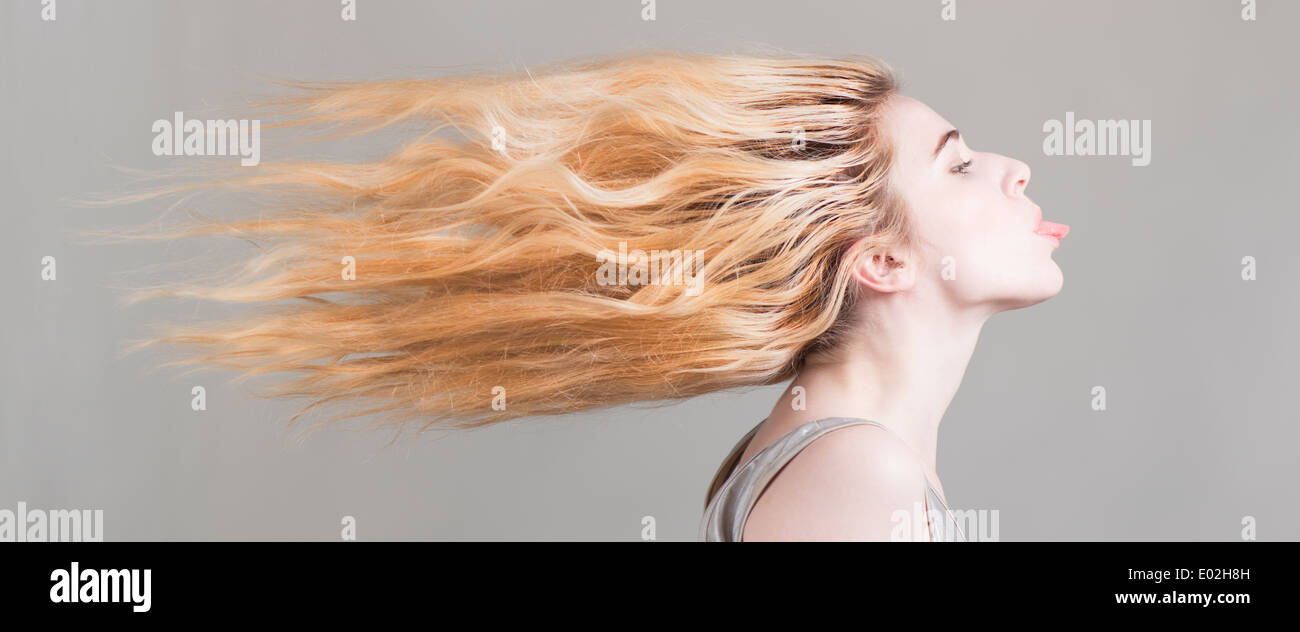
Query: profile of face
[981, 240]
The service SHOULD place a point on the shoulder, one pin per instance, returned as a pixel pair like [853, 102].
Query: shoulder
[850, 483]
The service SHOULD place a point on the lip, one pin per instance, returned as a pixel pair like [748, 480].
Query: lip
[1051, 230]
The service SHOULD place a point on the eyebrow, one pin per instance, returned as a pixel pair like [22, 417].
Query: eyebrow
[952, 133]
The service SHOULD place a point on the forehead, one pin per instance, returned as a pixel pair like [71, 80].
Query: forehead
[914, 128]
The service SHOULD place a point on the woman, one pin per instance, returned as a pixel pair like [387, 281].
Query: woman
[982, 248]
[843, 235]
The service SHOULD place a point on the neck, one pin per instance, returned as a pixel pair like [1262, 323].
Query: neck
[901, 368]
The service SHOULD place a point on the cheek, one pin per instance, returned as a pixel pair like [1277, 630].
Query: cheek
[975, 249]
[955, 254]
[961, 232]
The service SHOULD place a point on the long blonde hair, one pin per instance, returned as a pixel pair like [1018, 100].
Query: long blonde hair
[477, 295]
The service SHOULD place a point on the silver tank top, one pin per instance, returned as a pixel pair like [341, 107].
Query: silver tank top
[734, 497]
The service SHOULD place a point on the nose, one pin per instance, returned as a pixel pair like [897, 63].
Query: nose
[1017, 178]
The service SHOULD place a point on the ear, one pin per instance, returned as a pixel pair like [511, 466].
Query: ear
[890, 271]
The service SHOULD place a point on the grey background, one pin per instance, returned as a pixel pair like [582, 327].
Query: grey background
[1199, 366]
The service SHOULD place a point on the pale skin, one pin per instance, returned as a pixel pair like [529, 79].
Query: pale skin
[914, 337]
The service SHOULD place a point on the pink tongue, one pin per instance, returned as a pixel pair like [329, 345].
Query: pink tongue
[1053, 229]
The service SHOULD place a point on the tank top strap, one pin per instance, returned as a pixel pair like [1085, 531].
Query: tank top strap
[726, 513]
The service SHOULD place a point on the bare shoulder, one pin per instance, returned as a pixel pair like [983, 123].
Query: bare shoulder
[848, 484]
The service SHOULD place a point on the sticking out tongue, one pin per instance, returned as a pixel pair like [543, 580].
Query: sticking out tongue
[1051, 228]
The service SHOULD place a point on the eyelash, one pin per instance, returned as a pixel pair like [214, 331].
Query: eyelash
[964, 167]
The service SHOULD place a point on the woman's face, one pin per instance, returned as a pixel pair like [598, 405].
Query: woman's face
[978, 245]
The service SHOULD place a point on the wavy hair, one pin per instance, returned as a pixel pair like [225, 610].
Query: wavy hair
[478, 293]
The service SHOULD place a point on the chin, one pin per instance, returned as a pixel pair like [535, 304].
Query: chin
[1050, 286]
[1045, 286]
[1057, 281]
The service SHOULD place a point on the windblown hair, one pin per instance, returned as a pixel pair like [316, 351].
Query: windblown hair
[477, 259]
